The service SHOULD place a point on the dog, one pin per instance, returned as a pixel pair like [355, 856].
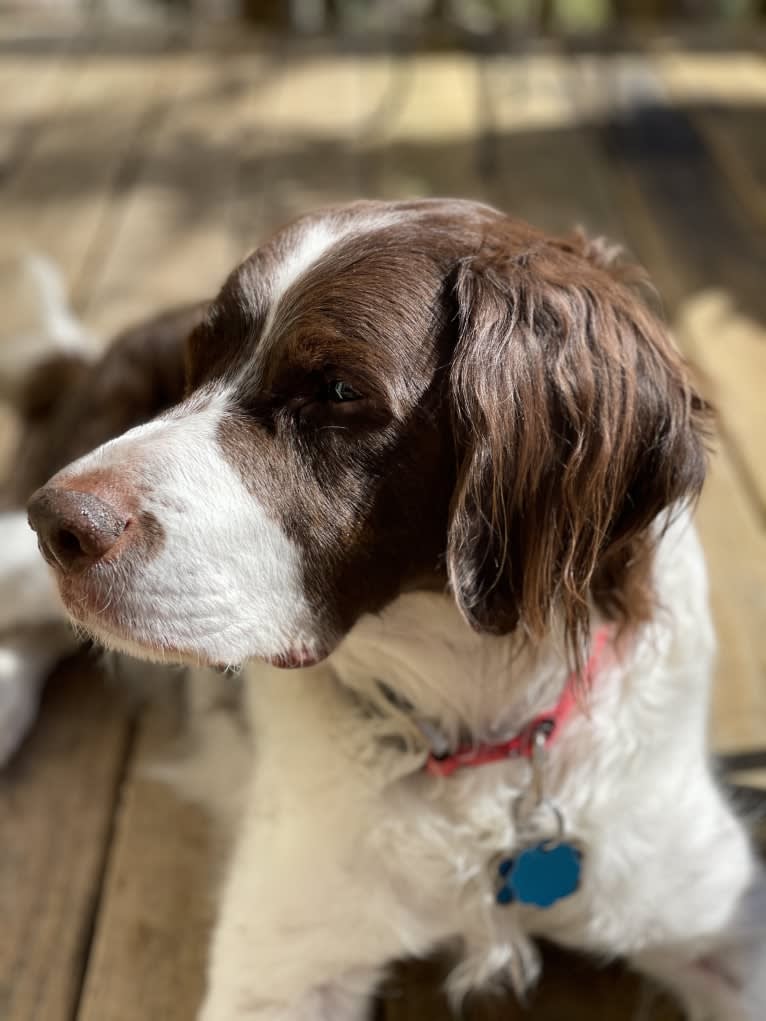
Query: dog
[68, 395]
[430, 484]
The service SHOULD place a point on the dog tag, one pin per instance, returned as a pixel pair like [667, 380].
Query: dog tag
[540, 875]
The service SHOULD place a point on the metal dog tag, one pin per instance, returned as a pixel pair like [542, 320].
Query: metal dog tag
[547, 870]
[540, 875]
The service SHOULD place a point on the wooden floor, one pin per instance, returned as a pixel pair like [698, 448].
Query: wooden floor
[146, 168]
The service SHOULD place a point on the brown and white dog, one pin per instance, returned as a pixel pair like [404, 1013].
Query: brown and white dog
[432, 457]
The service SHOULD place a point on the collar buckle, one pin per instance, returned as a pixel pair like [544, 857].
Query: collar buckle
[532, 741]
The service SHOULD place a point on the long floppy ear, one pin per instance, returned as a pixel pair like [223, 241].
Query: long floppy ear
[576, 426]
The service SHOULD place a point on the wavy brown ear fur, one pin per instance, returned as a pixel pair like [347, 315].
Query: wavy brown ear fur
[577, 426]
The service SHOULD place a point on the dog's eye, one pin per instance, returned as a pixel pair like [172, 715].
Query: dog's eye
[330, 402]
[339, 392]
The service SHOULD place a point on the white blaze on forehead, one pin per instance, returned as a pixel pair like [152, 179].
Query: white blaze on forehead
[303, 249]
[315, 239]
[227, 582]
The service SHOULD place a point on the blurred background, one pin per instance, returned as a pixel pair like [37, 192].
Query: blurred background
[146, 146]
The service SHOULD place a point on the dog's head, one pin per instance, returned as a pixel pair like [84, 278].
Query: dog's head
[382, 398]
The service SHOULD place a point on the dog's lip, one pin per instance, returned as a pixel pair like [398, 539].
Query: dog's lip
[296, 659]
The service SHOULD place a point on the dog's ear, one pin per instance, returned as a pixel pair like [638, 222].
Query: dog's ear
[576, 426]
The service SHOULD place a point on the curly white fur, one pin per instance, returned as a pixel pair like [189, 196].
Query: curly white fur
[350, 855]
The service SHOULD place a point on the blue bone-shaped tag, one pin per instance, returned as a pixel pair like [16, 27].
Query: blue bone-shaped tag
[540, 875]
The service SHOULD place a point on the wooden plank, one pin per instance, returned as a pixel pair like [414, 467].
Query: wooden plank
[729, 347]
[151, 939]
[426, 141]
[63, 200]
[172, 241]
[743, 165]
[542, 169]
[731, 529]
[31, 91]
[735, 544]
[724, 94]
[56, 805]
[708, 244]
[300, 147]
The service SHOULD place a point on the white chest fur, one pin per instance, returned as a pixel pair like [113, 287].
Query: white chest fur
[354, 855]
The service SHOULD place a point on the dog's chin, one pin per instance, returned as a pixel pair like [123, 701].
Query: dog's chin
[136, 631]
[112, 636]
[139, 648]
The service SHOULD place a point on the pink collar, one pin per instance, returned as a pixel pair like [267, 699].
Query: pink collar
[549, 723]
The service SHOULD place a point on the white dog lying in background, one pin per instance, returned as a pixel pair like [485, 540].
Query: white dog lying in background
[63, 395]
[37, 326]
[438, 461]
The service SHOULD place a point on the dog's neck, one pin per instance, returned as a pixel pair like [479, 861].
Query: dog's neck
[469, 683]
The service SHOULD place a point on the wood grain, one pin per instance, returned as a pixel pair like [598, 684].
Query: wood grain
[61, 199]
[426, 141]
[57, 800]
[725, 94]
[171, 238]
[730, 506]
[706, 249]
[31, 90]
[150, 943]
[299, 145]
[58, 797]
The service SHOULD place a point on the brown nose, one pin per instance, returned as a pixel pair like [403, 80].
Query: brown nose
[74, 529]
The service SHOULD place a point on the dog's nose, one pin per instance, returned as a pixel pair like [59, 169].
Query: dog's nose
[74, 529]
